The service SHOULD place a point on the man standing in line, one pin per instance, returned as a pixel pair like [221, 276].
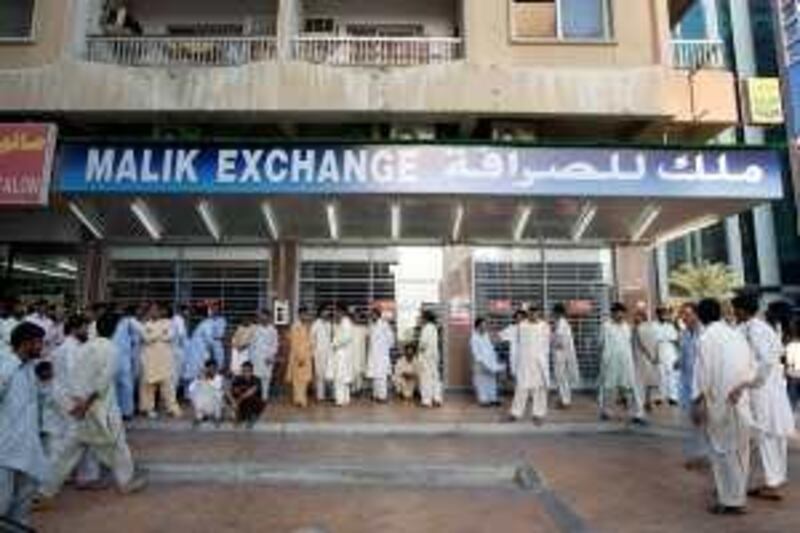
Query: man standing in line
[99, 425]
[772, 411]
[533, 368]
[379, 364]
[485, 366]
[299, 368]
[617, 374]
[322, 344]
[241, 342]
[646, 336]
[694, 448]
[23, 465]
[565, 361]
[722, 371]
[667, 355]
[342, 363]
[428, 360]
[511, 335]
[157, 361]
[264, 351]
[180, 344]
[200, 350]
[359, 351]
[12, 316]
[126, 339]
[219, 327]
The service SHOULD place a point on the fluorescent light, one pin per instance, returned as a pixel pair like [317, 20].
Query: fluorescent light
[93, 227]
[206, 212]
[690, 227]
[522, 222]
[272, 222]
[645, 221]
[147, 219]
[33, 269]
[66, 265]
[333, 221]
[458, 221]
[396, 221]
[585, 219]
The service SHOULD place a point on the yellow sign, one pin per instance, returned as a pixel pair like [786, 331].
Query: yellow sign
[764, 101]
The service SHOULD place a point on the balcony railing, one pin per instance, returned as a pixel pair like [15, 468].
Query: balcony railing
[698, 54]
[181, 51]
[377, 51]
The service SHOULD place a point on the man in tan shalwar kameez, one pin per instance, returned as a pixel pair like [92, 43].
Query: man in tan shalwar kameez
[157, 363]
[301, 359]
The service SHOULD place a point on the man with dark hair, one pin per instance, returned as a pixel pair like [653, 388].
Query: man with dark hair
[772, 411]
[511, 335]
[723, 368]
[694, 448]
[617, 371]
[485, 366]
[263, 350]
[322, 345]
[95, 409]
[379, 363]
[23, 464]
[246, 397]
[429, 357]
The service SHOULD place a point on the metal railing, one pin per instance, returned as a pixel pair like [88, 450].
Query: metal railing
[181, 51]
[377, 51]
[695, 54]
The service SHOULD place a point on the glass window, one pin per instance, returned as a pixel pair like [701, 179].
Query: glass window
[561, 19]
[16, 19]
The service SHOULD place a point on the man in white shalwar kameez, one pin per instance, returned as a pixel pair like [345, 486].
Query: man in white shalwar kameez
[668, 356]
[617, 373]
[342, 362]
[428, 360]
[207, 394]
[99, 422]
[646, 337]
[360, 339]
[322, 344]
[510, 334]
[533, 368]
[722, 371]
[379, 364]
[773, 421]
[485, 367]
[264, 351]
[565, 361]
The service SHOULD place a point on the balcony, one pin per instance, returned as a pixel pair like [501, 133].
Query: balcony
[377, 51]
[181, 51]
[697, 54]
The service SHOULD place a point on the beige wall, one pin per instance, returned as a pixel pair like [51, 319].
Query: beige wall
[52, 24]
[628, 77]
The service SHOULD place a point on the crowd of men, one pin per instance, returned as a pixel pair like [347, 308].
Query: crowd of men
[69, 383]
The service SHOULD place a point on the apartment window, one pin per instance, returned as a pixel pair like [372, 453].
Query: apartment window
[16, 19]
[319, 25]
[569, 20]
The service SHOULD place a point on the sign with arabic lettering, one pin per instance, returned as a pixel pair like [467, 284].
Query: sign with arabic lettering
[418, 169]
[26, 155]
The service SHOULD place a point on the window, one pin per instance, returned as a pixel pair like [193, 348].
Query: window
[16, 19]
[319, 25]
[576, 20]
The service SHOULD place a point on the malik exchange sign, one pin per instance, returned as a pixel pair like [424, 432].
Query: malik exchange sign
[406, 169]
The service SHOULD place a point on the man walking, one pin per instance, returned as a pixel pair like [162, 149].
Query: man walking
[565, 362]
[379, 364]
[533, 368]
[263, 351]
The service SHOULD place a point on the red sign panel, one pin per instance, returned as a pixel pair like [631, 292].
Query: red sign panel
[26, 157]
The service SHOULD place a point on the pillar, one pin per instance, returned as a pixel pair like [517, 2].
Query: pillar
[662, 271]
[764, 222]
[289, 19]
[456, 286]
[711, 19]
[634, 275]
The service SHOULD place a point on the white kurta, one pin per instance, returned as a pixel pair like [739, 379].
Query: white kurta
[359, 351]
[428, 360]
[533, 369]
[646, 341]
[565, 360]
[263, 352]
[322, 343]
[725, 362]
[511, 335]
[667, 357]
[485, 367]
[773, 420]
[207, 397]
[616, 364]
[342, 362]
[381, 340]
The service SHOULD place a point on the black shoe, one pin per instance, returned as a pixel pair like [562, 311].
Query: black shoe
[719, 509]
[639, 421]
[604, 417]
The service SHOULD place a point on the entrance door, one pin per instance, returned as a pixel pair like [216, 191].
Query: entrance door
[581, 279]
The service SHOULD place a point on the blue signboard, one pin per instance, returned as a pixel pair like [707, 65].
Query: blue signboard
[417, 169]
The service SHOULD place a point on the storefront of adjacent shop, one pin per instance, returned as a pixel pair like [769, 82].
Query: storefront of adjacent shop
[465, 230]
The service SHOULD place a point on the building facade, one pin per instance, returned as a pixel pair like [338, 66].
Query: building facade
[464, 155]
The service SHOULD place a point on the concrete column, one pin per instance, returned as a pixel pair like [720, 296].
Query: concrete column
[733, 236]
[289, 14]
[662, 272]
[766, 247]
[633, 276]
[711, 18]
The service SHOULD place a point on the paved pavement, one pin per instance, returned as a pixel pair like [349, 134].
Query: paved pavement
[617, 480]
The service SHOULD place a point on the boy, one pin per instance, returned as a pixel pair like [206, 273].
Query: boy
[207, 395]
[406, 376]
[246, 397]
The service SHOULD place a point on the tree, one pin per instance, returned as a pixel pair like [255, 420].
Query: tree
[706, 280]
